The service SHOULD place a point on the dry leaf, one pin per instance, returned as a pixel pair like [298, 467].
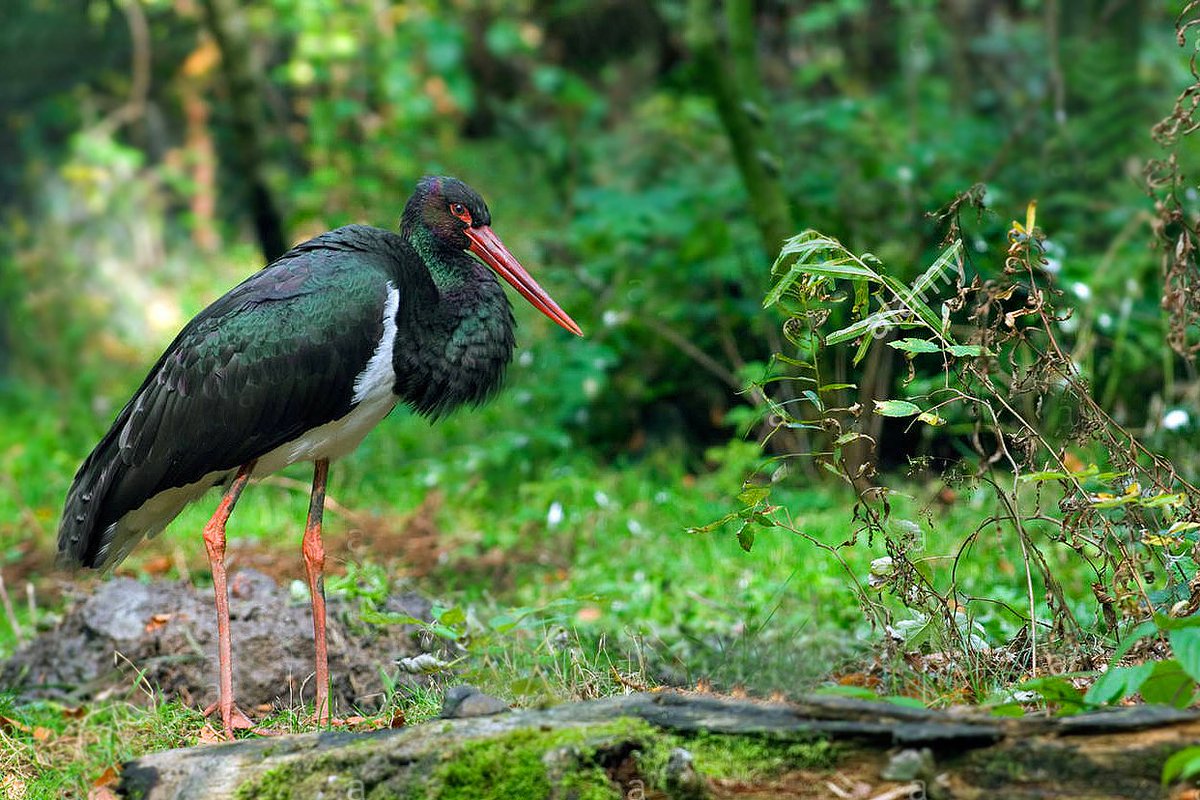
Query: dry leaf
[108, 777]
[157, 565]
[10, 724]
[157, 621]
[210, 735]
[103, 788]
[589, 614]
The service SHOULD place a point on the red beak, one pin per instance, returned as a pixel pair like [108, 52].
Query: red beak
[492, 251]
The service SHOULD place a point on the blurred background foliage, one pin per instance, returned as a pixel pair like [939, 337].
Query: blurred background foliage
[156, 151]
[130, 200]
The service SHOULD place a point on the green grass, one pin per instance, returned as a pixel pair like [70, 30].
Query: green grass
[579, 576]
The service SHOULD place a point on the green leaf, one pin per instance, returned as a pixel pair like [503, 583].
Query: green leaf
[445, 632]
[962, 350]
[857, 692]
[1181, 765]
[1007, 710]
[452, 616]
[846, 438]
[1169, 684]
[745, 536]
[815, 255]
[857, 329]
[1185, 645]
[917, 306]
[1118, 683]
[1141, 631]
[896, 408]
[373, 617]
[904, 701]
[753, 495]
[712, 526]
[1057, 690]
[944, 265]
[915, 346]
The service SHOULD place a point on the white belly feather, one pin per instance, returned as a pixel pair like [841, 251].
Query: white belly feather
[372, 401]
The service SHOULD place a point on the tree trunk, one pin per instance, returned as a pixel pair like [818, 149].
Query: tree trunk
[228, 28]
[737, 94]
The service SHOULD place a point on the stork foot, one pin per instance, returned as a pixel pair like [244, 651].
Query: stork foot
[234, 719]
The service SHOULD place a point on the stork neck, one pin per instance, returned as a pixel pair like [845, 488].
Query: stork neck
[460, 332]
[446, 266]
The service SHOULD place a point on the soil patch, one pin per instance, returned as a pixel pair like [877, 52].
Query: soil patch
[164, 633]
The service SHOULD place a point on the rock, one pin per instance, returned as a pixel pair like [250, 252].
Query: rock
[909, 765]
[467, 701]
[681, 779]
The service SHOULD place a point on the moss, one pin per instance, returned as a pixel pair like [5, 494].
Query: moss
[574, 762]
[743, 757]
[532, 762]
[303, 779]
[750, 757]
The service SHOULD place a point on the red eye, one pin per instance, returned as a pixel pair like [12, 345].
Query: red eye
[460, 211]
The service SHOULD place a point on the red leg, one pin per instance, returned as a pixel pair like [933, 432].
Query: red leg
[314, 568]
[214, 542]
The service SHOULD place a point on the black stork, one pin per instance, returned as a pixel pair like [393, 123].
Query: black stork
[297, 363]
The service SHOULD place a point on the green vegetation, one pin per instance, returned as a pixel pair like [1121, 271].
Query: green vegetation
[959, 470]
[577, 761]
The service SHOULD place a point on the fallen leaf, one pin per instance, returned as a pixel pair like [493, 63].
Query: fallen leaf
[108, 777]
[10, 724]
[12, 787]
[73, 713]
[103, 788]
[157, 621]
[42, 734]
[589, 614]
[398, 720]
[210, 735]
[862, 679]
[158, 565]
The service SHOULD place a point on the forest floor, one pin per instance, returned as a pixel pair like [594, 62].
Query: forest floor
[566, 579]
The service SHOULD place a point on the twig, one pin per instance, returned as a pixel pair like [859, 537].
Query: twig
[139, 90]
[31, 599]
[8, 610]
[284, 482]
[914, 789]
[693, 352]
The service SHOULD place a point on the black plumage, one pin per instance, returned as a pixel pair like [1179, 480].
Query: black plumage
[298, 363]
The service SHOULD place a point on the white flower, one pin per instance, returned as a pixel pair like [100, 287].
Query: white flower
[555, 515]
[612, 318]
[1175, 419]
[1105, 320]
[1081, 290]
[526, 358]
[601, 499]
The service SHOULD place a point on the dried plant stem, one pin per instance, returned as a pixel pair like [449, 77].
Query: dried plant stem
[9, 612]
